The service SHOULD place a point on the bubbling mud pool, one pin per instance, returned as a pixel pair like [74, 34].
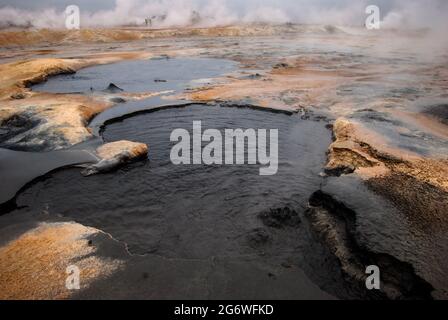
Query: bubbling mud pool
[225, 230]
[230, 217]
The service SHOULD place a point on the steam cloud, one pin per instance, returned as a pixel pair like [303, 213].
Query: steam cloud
[205, 13]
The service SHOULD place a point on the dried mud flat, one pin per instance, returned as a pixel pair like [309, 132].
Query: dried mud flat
[384, 192]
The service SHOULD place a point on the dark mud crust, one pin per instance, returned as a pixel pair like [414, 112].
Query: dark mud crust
[8, 206]
[335, 224]
[17, 124]
[425, 205]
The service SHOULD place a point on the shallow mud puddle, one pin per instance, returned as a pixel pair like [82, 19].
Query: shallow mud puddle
[162, 74]
[156, 74]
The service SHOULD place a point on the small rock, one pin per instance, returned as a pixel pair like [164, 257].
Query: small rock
[115, 154]
[281, 65]
[18, 96]
[255, 76]
[161, 57]
[112, 88]
[117, 100]
[339, 169]
[271, 275]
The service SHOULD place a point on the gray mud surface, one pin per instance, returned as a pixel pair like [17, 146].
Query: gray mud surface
[195, 230]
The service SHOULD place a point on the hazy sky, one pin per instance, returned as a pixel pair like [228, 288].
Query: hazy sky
[93, 5]
[59, 4]
[397, 13]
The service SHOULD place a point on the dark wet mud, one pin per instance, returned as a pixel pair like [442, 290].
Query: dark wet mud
[201, 199]
[19, 168]
[219, 223]
[336, 225]
[372, 225]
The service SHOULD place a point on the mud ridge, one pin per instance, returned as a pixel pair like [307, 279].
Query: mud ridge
[255, 107]
[335, 225]
[188, 104]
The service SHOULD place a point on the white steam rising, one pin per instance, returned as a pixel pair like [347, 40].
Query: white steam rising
[181, 13]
